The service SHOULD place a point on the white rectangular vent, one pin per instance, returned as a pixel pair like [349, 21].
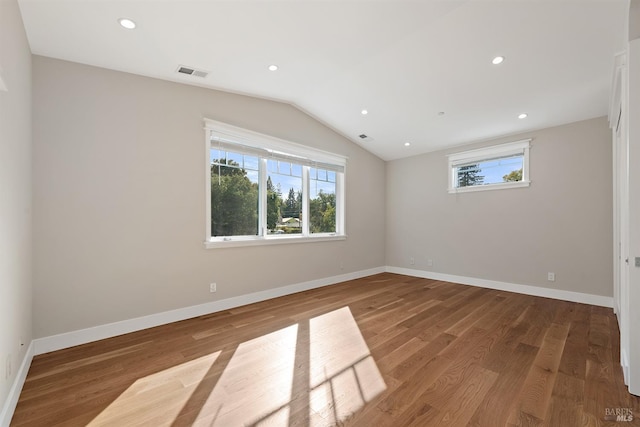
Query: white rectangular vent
[192, 71]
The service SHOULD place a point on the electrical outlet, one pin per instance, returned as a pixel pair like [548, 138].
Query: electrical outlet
[212, 287]
[341, 265]
[9, 369]
[430, 262]
[412, 261]
[551, 277]
[3, 86]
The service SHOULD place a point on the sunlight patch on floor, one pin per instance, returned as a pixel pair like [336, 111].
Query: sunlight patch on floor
[322, 369]
[158, 398]
[343, 375]
[255, 387]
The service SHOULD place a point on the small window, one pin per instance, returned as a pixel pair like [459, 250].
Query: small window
[490, 168]
[263, 190]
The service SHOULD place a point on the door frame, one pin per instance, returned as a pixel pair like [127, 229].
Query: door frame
[618, 122]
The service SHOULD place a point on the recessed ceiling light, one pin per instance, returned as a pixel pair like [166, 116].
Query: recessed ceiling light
[406, 144]
[127, 23]
[497, 60]
[273, 67]
[364, 112]
[522, 116]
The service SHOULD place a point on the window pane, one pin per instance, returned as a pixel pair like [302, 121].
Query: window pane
[510, 169]
[469, 175]
[217, 154]
[272, 165]
[234, 194]
[322, 204]
[284, 200]
[251, 163]
[491, 171]
[234, 159]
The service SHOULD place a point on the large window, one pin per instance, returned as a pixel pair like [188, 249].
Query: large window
[261, 189]
[490, 168]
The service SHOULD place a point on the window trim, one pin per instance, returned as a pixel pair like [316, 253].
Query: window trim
[231, 136]
[489, 153]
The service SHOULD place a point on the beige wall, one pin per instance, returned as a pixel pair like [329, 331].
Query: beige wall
[15, 194]
[120, 207]
[562, 223]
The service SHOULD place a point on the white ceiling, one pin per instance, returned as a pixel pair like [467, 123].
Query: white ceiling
[403, 61]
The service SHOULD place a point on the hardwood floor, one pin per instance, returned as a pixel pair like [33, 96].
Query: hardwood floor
[386, 350]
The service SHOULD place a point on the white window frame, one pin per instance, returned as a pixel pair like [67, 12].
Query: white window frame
[479, 155]
[246, 139]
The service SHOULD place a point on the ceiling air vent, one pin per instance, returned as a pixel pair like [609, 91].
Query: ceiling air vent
[364, 137]
[192, 71]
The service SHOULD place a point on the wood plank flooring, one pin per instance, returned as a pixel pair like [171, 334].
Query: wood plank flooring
[385, 350]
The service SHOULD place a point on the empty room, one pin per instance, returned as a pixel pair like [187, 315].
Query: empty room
[319, 213]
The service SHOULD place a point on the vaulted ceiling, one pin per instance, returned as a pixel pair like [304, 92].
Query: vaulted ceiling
[422, 70]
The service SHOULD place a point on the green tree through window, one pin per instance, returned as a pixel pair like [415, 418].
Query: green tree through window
[234, 200]
[469, 175]
[513, 176]
[322, 211]
[292, 205]
[274, 203]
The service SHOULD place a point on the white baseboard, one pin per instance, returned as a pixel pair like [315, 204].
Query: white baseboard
[14, 393]
[624, 362]
[509, 287]
[83, 336]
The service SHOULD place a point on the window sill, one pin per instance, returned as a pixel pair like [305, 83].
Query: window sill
[500, 186]
[280, 240]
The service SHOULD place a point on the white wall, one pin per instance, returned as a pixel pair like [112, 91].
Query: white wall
[15, 195]
[562, 223]
[119, 199]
